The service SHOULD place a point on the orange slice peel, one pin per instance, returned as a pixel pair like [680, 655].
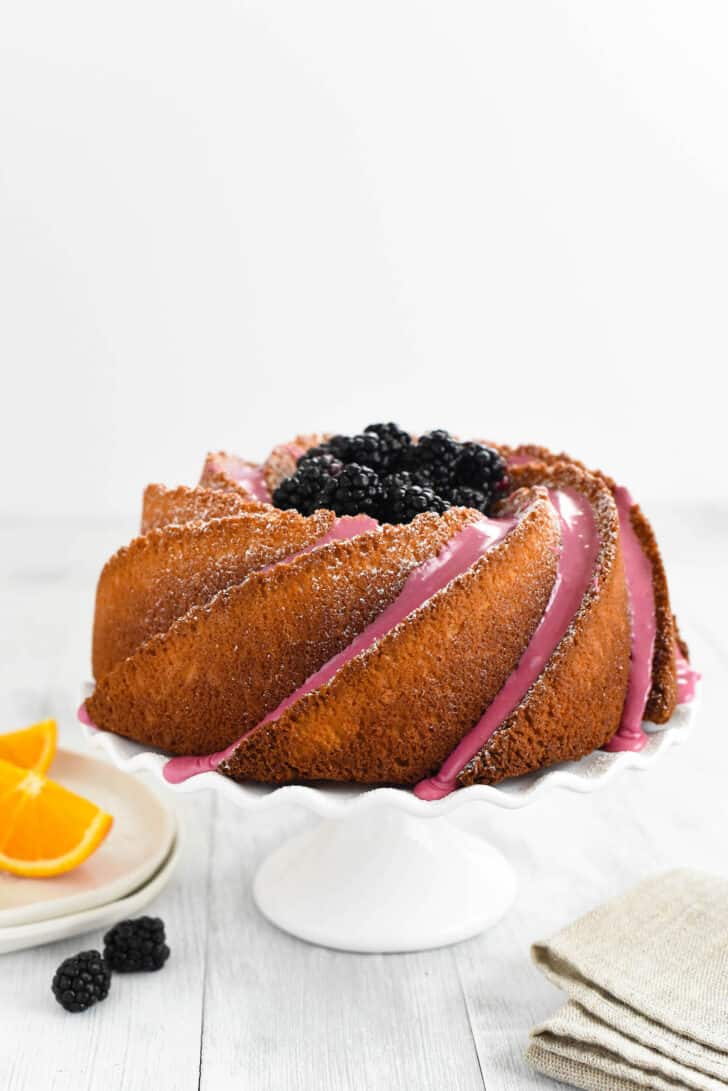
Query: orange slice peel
[45, 829]
[33, 747]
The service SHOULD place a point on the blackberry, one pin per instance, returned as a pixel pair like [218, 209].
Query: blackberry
[136, 945]
[437, 475]
[481, 468]
[357, 490]
[81, 981]
[379, 446]
[403, 499]
[391, 433]
[312, 485]
[410, 463]
[396, 442]
[439, 446]
[433, 459]
[339, 447]
[393, 489]
[375, 472]
[397, 480]
[322, 451]
[371, 450]
[323, 462]
[465, 497]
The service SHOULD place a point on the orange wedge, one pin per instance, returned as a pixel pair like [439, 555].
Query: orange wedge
[44, 828]
[32, 748]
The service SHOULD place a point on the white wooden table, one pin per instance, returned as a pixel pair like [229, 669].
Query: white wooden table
[241, 1005]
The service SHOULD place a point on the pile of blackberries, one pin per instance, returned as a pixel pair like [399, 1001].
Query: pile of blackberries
[383, 473]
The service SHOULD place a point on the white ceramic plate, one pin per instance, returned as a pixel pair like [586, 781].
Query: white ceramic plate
[18, 937]
[140, 841]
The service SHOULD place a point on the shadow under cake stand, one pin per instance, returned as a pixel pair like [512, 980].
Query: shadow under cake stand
[385, 871]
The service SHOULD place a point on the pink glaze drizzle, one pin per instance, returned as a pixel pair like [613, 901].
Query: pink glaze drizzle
[342, 529]
[252, 480]
[250, 477]
[84, 717]
[578, 552]
[579, 547]
[460, 554]
[638, 571]
[687, 678]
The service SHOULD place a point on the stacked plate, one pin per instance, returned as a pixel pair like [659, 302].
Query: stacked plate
[130, 868]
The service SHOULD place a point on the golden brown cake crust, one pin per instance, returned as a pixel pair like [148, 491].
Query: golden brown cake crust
[162, 507]
[663, 695]
[392, 714]
[222, 666]
[159, 576]
[218, 471]
[283, 459]
[194, 644]
[575, 706]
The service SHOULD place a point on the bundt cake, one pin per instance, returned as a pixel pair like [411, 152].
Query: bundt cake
[386, 609]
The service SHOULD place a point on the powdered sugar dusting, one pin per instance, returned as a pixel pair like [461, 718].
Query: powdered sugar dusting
[166, 507]
[244, 473]
[457, 556]
[147, 585]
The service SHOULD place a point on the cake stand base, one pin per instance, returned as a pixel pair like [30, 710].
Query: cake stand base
[384, 881]
[386, 871]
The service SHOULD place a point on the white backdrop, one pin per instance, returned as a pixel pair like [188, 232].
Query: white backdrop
[222, 223]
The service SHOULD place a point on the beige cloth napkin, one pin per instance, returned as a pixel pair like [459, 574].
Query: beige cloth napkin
[647, 980]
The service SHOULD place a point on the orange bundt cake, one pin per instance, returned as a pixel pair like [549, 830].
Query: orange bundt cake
[386, 609]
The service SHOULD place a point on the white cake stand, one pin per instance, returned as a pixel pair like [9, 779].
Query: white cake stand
[385, 871]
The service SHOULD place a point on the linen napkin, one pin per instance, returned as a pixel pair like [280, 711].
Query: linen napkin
[647, 980]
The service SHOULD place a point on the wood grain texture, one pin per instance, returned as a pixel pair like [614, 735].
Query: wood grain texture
[308, 1017]
[241, 1005]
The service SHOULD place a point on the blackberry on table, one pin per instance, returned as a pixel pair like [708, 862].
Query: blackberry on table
[136, 945]
[357, 490]
[81, 981]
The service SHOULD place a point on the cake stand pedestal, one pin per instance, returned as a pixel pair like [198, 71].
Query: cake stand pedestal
[384, 881]
[385, 871]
